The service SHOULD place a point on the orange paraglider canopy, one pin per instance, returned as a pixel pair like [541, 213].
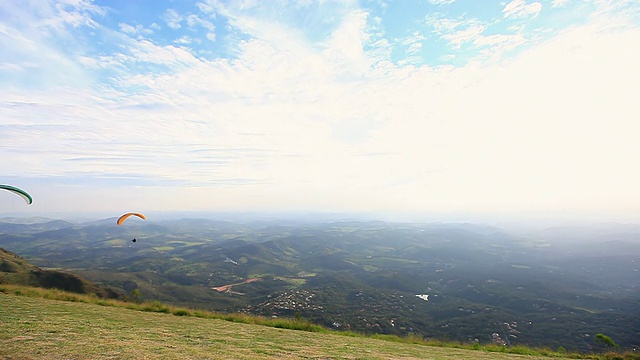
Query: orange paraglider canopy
[124, 217]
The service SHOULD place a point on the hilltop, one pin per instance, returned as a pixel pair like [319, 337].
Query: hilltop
[37, 328]
[18, 271]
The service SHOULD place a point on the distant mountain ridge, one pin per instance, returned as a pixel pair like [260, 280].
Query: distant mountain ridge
[31, 225]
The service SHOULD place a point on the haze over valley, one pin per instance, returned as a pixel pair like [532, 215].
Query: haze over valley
[464, 282]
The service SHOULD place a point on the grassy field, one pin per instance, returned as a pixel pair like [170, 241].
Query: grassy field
[37, 328]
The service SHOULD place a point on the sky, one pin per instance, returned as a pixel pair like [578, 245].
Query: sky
[422, 107]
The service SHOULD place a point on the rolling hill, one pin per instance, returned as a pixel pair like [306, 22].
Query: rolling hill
[548, 289]
[17, 270]
[36, 328]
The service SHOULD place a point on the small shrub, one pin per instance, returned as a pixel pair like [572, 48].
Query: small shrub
[520, 350]
[202, 314]
[155, 306]
[181, 312]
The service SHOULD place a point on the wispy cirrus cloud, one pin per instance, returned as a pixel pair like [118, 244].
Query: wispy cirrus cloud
[461, 33]
[441, 2]
[469, 34]
[559, 3]
[195, 21]
[285, 117]
[173, 19]
[520, 9]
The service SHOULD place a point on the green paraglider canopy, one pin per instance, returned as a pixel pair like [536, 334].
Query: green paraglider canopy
[23, 194]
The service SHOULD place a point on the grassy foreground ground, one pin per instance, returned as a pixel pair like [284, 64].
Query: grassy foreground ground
[37, 328]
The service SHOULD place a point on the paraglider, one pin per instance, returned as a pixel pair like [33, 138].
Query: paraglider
[23, 194]
[124, 217]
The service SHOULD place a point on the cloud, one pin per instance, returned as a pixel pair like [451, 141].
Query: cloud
[173, 19]
[146, 51]
[291, 123]
[560, 96]
[520, 9]
[465, 34]
[559, 3]
[135, 30]
[494, 46]
[127, 29]
[441, 2]
[184, 40]
[458, 38]
[443, 25]
[455, 31]
[413, 42]
[194, 21]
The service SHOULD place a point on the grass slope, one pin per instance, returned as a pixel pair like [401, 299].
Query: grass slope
[17, 270]
[37, 328]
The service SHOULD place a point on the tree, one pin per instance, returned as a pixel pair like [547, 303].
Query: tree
[136, 295]
[605, 340]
